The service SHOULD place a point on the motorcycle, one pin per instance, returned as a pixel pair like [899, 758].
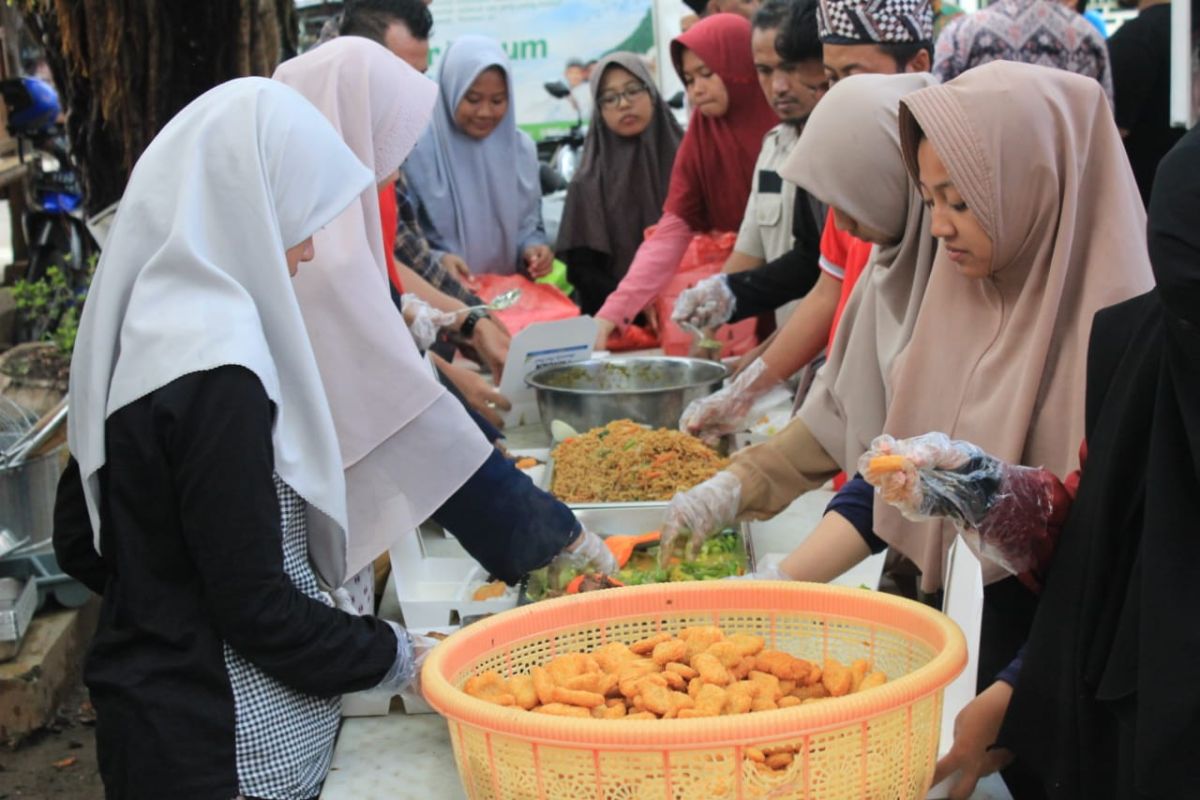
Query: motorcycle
[53, 222]
[560, 154]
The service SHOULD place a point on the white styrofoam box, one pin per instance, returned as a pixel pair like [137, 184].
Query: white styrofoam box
[432, 592]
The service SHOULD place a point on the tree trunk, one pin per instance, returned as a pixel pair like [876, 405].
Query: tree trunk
[125, 67]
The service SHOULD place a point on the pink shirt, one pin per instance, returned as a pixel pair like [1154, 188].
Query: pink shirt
[656, 262]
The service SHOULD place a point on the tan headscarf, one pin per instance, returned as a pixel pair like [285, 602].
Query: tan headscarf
[849, 158]
[1001, 362]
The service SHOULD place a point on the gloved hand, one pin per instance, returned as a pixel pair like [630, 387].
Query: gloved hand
[1003, 509]
[587, 553]
[771, 573]
[725, 411]
[424, 321]
[702, 511]
[411, 651]
[707, 305]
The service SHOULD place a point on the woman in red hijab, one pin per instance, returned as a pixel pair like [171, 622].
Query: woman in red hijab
[714, 168]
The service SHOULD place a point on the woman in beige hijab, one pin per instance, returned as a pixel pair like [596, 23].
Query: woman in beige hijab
[849, 158]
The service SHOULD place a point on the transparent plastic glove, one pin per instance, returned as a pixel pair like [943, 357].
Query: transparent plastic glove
[1003, 510]
[586, 554]
[771, 573]
[411, 651]
[424, 321]
[707, 305]
[725, 411]
[701, 511]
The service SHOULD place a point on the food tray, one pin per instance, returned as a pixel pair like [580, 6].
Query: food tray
[615, 519]
[882, 743]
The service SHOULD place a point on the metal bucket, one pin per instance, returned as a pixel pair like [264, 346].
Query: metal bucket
[27, 496]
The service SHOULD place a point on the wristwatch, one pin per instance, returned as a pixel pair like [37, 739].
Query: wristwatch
[467, 330]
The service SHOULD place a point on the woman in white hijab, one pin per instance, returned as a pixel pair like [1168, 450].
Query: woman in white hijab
[410, 450]
[212, 510]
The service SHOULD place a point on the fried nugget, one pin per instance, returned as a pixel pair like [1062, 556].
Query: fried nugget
[646, 646]
[711, 669]
[681, 700]
[837, 679]
[747, 644]
[778, 761]
[683, 670]
[700, 638]
[490, 687]
[872, 680]
[767, 685]
[789, 701]
[574, 697]
[782, 665]
[611, 710]
[756, 755]
[741, 669]
[816, 691]
[671, 650]
[543, 684]
[695, 685]
[739, 698]
[675, 681]
[711, 700]
[571, 665]
[561, 710]
[655, 698]
[858, 670]
[763, 703]
[725, 652]
[612, 656]
[521, 687]
[631, 674]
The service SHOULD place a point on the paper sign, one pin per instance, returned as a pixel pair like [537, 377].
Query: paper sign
[542, 344]
[963, 604]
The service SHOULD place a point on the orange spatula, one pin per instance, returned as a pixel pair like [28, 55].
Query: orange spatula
[622, 546]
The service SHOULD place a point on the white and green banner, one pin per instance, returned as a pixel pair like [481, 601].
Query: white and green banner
[550, 40]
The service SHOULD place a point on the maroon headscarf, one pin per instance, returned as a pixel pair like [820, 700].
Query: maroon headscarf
[714, 169]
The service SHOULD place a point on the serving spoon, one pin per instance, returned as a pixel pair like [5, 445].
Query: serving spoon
[502, 301]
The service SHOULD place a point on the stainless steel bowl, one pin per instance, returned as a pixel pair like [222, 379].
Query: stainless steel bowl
[652, 390]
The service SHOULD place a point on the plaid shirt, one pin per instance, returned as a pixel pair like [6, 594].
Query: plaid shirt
[412, 249]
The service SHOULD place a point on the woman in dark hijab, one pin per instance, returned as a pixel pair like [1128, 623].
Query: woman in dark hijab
[1107, 703]
[622, 180]
[1104, 702]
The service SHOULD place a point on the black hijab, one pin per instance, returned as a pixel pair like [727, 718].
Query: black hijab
[622, 182]
[1108, 699]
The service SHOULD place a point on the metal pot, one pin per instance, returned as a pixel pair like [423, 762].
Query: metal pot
[652, 390]
[27, 494]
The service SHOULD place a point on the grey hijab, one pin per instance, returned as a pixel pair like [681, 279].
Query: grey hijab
[475, 193]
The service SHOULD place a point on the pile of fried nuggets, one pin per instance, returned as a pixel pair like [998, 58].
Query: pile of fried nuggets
[699, 673]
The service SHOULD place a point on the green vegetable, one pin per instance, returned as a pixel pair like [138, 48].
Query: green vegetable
[630, 444]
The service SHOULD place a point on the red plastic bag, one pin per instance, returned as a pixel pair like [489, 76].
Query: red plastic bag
[539, 302]
[705, 256]
[634, 337]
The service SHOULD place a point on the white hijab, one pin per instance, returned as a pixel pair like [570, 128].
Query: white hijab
[193, 277]
[400, 467]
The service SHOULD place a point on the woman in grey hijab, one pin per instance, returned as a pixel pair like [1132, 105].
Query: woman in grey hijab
[474, 173]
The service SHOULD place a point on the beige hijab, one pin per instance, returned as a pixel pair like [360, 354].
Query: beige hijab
[849, 158]
[1001, 362]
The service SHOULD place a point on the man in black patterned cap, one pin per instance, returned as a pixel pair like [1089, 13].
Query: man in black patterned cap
[875, 36]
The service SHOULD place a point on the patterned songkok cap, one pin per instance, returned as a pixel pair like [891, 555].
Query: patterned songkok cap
[875, 21]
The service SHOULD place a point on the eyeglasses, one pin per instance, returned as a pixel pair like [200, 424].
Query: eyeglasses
[631, 92]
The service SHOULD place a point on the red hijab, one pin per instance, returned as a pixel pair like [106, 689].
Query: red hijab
[714, 169]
